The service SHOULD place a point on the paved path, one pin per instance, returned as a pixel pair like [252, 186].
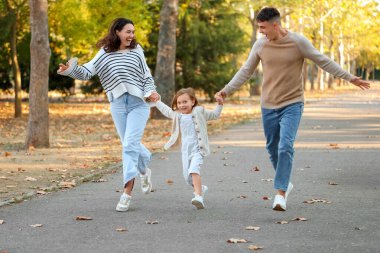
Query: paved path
[339, 141]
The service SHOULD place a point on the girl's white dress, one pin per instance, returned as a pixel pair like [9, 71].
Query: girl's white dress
[191, 155]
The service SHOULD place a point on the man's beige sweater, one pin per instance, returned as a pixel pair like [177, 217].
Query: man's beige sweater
[282, 62]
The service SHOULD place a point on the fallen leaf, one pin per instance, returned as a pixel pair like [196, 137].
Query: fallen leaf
[151, 222]
[121, 229]
[64, 184]
[255, 169]
[282, 222]
[244, 182]
[100, 180]
[36, 225]
[332, 183]
[2, 177]
[41, 192]
[242, 197]
[233, 240]
[83, 218]
[312, 201]
[300, 219]
[166, 134]
[169, 181]
[164, 158]
[30, 179]
[7, 154]
[10, 186]
[228, 152]
[225, 158]
[2, 222]
[266, 198]
[254, 247]
[267, 179]
[252, 228]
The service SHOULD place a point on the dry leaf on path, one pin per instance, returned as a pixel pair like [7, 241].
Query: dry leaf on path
[121, 229]
[100, 180]
[164, 158]
[234, 240]
[41, 192]
[151, 222]
[7, 154]
[252, 228]
[242, 197]
[36, 225]
[332, 183]
[266, 198]
[282, 222]
[169, 181]
[255, 169]
[83, 218]
[254, 247]
[300, 219]
[312, 201]
[64, 184]
[2, 222]
[30, 179]
[267, 179]
[2, 177]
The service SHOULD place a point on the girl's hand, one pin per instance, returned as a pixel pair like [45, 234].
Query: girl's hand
[154, 97]
[63, 67]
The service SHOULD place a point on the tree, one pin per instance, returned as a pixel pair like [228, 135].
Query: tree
[14, 10]
[38, 124]
[164, 74]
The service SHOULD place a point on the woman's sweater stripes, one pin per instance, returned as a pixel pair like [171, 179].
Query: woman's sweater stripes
[119, 72]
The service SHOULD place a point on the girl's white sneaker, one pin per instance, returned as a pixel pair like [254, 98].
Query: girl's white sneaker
[197, 201]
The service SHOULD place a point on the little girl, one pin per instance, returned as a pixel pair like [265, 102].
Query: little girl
[189, 119]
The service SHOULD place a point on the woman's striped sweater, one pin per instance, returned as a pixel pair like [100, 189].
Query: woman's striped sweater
[119, 72]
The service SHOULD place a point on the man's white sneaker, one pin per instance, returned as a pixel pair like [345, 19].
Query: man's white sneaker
[124, 202]
[279, 203]
[204, 190]
[290, 188]
[146, 183]
[197, 201]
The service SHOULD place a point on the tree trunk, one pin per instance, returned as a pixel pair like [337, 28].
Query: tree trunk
[164, 74]
[16, 67]
[38, 123]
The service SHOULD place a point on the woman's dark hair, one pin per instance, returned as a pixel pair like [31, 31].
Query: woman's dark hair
[268, 14]
[188, 91]
[111, 41]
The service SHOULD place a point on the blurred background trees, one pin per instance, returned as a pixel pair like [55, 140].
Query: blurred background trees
[213, 38]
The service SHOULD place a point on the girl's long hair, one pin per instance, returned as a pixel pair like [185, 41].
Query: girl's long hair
[188, 91]
[111, 42]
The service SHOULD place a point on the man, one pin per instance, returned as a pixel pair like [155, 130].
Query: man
[282, 54]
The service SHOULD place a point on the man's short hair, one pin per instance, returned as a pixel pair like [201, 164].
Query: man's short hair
[268, 14]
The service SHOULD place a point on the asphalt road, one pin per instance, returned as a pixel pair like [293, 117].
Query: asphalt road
[337, 161]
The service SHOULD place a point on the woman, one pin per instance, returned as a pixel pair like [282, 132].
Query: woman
[128, 83]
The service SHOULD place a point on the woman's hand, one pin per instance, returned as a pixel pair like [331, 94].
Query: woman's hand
[154, 97]
[63, 67]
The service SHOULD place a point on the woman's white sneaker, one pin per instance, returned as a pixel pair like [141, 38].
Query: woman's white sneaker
[279, 203]
[146, 183]
[124, 203]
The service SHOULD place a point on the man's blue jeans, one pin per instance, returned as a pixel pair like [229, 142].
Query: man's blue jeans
[280, 128]
[130, 115]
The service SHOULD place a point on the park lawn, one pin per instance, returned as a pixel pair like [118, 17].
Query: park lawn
[83, 146]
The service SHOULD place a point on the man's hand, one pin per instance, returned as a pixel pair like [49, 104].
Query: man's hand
[219, 97]
[360, 83]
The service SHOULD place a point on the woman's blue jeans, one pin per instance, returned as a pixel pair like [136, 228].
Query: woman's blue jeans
[130, 115]
[280, 128]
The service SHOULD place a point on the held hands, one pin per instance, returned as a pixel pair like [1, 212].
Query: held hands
[219, 97]
[360, 83]
[154, 97]
[63, 67]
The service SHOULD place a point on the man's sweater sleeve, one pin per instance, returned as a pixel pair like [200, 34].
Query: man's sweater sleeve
[324, 62]
[247, 70]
